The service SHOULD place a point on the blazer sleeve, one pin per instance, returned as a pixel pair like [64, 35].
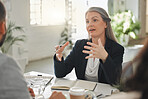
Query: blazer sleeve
[62, 68]
[113, 65]
[13, 84]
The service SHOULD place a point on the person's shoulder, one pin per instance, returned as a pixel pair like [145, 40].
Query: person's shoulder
[6, 60]
[5, 57]
[115, 44]
[82, 41]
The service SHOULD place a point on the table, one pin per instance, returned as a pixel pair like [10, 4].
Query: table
[101, 88]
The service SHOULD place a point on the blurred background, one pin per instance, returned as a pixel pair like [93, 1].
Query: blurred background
[37, 26]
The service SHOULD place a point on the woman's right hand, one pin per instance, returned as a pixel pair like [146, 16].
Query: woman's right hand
[59, 50]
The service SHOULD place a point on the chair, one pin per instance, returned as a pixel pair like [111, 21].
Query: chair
[127, 70]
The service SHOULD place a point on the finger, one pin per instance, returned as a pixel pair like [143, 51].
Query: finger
[63, 46]
[57, 47]
[59, 51]
[66, 44]
[87, 52]
[92, 44]
[88, 47]
[91, 56]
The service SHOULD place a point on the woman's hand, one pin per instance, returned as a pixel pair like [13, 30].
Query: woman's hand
[97, 51]
[57, 95]
[59, 50]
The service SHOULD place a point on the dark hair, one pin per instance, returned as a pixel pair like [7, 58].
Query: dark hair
[139, 81]
[108, 31]
[2, 12]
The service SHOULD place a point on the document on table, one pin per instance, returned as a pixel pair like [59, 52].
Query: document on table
[34, 77]
[67, 84]
[105, 89]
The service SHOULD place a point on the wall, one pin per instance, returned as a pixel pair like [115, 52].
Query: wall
[133, 5]
[40, 39]
[126, 5]
[146, 16]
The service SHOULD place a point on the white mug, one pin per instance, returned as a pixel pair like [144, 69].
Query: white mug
[77, 93]
[80, 93]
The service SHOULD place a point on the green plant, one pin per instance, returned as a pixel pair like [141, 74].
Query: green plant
[11, 38]
[124, 23]
[65, 36]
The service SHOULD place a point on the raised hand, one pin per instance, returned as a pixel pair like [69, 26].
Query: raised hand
[59, 50]
[97, 51]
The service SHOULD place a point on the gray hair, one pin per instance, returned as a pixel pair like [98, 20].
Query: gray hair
[108, 31]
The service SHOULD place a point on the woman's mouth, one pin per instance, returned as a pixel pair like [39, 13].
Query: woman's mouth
[92, 30]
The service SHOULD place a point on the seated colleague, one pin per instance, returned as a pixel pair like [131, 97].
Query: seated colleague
[96, 59]
[137, 84]
[12, 82]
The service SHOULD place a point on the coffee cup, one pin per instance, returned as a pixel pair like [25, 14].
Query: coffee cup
[77, 93]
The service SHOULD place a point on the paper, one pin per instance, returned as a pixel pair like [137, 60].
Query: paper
[34, 79]
[104, 89]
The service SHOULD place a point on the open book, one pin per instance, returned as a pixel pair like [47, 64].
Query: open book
[67, 84]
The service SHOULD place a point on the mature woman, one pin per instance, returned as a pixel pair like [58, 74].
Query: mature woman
[98, 58]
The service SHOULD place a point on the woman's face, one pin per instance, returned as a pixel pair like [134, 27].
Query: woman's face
[95, 25]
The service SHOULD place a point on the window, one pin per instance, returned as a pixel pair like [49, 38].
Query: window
[47, 12]
[35, 11]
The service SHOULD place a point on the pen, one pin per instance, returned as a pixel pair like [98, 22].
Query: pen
[99, 95]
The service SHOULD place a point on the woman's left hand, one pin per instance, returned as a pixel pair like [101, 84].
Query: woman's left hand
[97, 51]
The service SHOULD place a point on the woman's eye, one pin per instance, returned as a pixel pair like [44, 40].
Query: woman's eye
[95, 20]
[87, 21]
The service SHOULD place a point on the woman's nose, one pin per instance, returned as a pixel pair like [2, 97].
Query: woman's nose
[90, 24]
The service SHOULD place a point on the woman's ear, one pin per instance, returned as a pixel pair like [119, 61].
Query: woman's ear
[105, 24]
[2, 28]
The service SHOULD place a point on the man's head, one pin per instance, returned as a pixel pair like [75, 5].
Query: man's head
[2, 23]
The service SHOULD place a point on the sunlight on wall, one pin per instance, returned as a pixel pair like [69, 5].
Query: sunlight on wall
[53, 17]
[53, 13]
[47, 12]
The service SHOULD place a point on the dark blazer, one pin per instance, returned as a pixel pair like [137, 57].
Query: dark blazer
[109, 72]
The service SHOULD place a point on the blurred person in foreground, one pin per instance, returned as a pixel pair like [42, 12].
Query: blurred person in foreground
[12, 81]
[98, 58]
[137, 84]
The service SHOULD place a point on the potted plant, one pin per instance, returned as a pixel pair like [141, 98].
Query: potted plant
[124, 26]
[65, 36]
[11, 38]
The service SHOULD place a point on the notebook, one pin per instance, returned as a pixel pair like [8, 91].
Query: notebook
[67, 84]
